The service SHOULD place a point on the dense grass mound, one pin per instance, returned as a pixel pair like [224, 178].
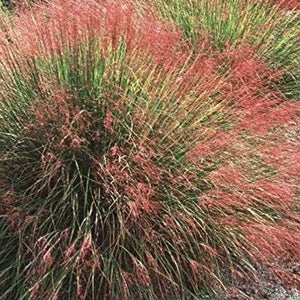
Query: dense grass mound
[271, 27]
[137, 162]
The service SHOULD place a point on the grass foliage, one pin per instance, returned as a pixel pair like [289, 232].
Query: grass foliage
[272, 31]
[147, 150]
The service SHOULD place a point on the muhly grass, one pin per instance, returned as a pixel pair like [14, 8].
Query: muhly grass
[136, 165]
[271, 30]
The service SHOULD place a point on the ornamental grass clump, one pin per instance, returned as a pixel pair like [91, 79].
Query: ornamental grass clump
[271, 27]
[133, 166]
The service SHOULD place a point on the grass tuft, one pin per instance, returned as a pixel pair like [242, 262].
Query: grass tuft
[142, 159]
